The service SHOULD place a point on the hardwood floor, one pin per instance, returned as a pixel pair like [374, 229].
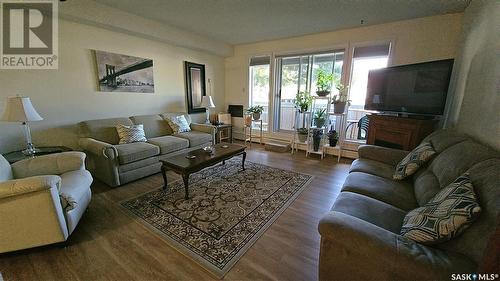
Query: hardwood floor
[110, 245]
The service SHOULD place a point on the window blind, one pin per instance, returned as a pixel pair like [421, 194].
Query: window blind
[372, 51]
[260, 60]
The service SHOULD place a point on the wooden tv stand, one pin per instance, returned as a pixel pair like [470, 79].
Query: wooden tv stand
[398, 132]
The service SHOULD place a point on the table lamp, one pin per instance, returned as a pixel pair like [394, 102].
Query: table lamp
[20, 109]
[207, 102]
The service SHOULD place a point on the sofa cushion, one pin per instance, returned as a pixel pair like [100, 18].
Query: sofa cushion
[442, 139]
[482, 236]
[103, 129]
[413, 161]
[74, 188]
[138, 164]
[425, 186]
[130, 134]
[372, 167]
[131, 152]
[154, 125]
[445, 216]
[455, 160]
[195, 138]
[371, 210]
[169, 144]
[396, 193]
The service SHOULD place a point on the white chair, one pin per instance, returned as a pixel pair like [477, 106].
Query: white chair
[42, 199]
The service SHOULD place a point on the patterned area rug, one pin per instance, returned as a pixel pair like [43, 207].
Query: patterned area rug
[228, 210]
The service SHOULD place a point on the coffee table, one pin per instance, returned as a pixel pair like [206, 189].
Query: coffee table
[185, 165]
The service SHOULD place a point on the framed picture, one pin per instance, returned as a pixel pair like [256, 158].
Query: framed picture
[122, 73]
[195, 86]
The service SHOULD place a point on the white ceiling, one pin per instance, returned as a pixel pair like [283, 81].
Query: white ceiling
[245, 21]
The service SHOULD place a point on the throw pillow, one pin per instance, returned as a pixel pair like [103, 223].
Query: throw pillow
[413, 161]
[445, 216]
[129, 134]
[179, 124]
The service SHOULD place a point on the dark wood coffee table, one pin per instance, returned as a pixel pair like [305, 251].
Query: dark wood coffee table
[184, 165]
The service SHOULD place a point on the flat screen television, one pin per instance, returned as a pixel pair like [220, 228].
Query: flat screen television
[416, 89]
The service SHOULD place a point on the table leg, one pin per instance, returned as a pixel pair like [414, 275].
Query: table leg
[185, 178]
[243, 162]
[164, 174]
[223, 162]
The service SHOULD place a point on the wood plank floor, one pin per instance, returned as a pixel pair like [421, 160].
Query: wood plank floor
[110, 245]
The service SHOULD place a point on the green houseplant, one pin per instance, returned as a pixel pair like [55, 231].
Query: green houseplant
[302, 134]
[320, 117]
[256, 111]
[342, 99]
[303, 101]
[323, 83]
[333, 137]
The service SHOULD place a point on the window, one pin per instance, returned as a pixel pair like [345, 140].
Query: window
[364, 59]
[259, 85]
[298, 73]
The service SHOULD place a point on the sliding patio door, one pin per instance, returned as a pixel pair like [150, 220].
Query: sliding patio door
[296, 74]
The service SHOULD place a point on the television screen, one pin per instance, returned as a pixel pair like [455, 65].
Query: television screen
[414, 89]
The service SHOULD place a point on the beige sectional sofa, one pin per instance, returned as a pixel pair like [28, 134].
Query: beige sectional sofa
[116, 164]
[360, 236]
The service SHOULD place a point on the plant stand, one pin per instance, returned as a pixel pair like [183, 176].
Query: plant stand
[249, 136]
[302, 120]
[341, 121]
[310, 138]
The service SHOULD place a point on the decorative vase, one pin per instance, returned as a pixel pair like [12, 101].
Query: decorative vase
[316, 142]
[302, 137]
[320, 122]
[333, 142]
[256, 116]
[339, 107]
[322, 93]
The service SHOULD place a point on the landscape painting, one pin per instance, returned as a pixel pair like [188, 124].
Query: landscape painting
[122, 73]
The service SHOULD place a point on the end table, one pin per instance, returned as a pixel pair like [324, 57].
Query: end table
[13, 157]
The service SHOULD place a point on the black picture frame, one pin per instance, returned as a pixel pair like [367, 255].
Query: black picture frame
[195, 86]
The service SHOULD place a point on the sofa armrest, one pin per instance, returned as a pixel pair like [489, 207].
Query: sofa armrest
[52, 164]
[386, 155]
[27, 185]
[98, 148]
[206, 128]
[348, 242]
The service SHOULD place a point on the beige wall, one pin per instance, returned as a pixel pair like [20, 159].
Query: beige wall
[69, 95]
[476, 81]
[417, 40]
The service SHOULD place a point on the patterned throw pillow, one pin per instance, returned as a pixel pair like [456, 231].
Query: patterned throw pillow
[445, 216]
[179, 124]
[413, 161]
[129, 134]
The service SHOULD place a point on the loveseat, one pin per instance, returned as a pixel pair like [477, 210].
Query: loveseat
[360, 235]
[116, 164]
[42, 199]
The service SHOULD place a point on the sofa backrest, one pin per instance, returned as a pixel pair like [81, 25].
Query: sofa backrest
[5, 170]
[154, 125]
[456, 153]
[475, 240]
[103, 129]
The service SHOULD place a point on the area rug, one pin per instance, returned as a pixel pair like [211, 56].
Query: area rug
[228, 210]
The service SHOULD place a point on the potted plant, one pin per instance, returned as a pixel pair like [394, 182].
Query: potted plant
[303, 101]
[333, 137]
[317, 134]
[302, 134]
[320, 117]
[341, 100]
[256, 111]
[323, 83]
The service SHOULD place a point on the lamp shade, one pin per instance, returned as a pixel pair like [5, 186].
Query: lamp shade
[20, 109]
[207, 102]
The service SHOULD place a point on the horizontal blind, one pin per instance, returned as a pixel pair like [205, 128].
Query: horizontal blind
[260, 60]
[372, 51]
